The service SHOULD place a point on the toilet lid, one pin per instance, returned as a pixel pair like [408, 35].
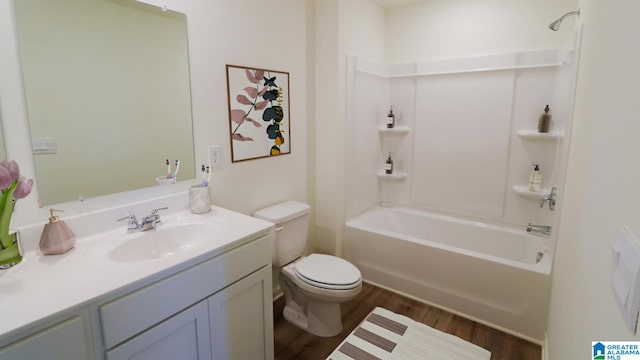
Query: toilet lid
[327, 271]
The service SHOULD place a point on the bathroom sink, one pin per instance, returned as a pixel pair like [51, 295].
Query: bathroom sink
[161, 242]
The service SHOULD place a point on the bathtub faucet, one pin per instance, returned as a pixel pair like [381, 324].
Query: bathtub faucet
[542, 229]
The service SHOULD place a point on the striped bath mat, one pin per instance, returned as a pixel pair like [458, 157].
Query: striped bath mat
[387, 335]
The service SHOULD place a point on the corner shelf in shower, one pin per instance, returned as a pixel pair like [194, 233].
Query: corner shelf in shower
[398, 175]
[524, 191]
[394, 130]
[535, 135]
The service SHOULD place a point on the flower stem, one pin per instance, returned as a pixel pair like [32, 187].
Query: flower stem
[255, 99]
[6, 210]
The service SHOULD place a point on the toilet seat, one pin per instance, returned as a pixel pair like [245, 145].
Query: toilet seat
[328, 272]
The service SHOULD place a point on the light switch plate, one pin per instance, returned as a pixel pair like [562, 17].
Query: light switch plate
[214, 155]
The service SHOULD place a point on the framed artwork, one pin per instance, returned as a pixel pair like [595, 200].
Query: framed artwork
[258, 112]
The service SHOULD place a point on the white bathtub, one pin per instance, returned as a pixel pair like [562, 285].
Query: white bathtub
[495, 275]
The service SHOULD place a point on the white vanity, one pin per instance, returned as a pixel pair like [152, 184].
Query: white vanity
[196, 287]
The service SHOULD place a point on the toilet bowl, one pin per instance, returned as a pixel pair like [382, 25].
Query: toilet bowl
[313, 297]
[314, 286]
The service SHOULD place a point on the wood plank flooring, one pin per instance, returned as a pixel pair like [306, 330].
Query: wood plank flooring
[293, 343]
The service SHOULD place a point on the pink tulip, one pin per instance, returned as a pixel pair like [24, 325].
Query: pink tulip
[23, 189]
[14, 169]
[5, 178]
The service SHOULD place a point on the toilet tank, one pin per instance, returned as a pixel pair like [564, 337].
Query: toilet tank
[292, 225]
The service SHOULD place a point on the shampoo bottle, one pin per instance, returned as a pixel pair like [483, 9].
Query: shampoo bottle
[56, 237]
[535, 179]
[391, 119]
[543, 123]
[388, 165]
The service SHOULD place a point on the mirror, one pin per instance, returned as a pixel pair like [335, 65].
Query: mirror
[108, 95]
[3, 152]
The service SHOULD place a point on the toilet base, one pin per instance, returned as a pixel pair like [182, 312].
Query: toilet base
[321, 319]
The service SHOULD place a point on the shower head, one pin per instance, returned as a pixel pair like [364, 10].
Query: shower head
[556, 24]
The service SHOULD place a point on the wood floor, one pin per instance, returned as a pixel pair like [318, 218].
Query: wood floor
[293, 343]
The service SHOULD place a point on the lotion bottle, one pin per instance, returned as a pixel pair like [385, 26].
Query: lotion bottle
[391, 118]
[535, 179]
[56, 237]
[543, 122]
[388, 166]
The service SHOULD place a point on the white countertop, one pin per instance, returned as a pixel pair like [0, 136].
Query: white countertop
[43, 286]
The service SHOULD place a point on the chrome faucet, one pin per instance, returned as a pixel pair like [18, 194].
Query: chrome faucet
[541, 229]
[148, 222]
[551, 198]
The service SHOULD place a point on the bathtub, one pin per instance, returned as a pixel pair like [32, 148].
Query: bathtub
[494, 275]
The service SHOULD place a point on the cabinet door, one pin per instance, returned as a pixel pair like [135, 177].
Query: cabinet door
[185, 336]
[64, 341]
[242, 319]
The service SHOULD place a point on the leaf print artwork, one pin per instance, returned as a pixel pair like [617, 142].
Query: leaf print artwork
[258, 112]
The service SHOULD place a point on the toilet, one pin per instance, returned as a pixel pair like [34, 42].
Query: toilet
[314, 286]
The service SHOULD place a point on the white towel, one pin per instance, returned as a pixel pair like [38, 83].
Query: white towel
[389, 336]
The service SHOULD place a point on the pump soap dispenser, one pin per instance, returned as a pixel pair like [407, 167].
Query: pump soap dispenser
[56, 237]
[388, 165]
[391, 119]
[535, 178]
[543, 122]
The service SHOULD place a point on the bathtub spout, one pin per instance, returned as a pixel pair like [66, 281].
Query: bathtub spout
[541, 229]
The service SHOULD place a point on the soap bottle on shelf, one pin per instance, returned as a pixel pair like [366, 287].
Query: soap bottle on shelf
[388, 165]
[543, 122]
[535, 178]
[56, 237]
[391, 118]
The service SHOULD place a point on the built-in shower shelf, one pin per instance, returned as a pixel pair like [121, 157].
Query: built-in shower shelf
[524, 191]
[535, 135]
[398, 175]
[394, 130]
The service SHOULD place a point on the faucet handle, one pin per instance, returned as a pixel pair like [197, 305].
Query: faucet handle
[132, 217]
[551, 198]
[133, 221]
[155, 211]
[153, 218]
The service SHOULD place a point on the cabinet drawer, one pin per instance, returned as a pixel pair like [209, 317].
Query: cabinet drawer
[141, 309]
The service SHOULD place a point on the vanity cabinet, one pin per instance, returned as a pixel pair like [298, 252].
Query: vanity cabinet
[218, 309]
[183, 336]
[210, 298]
[235, 323]
[67, 339]
[241, 318]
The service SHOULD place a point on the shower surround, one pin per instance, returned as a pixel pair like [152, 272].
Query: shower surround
[464, 147]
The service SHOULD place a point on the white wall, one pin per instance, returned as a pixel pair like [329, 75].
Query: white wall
[438, 29]
[220, 32]
[342, 27]
[235, 32]
[602, 181]
[367, 98]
